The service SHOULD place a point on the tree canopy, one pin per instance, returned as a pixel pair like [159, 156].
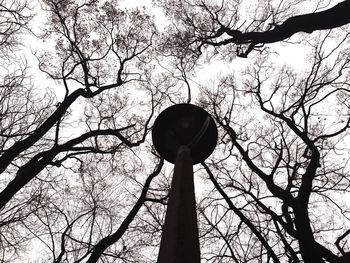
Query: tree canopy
[81, 83]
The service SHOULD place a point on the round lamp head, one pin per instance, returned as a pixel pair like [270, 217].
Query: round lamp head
[184, 124]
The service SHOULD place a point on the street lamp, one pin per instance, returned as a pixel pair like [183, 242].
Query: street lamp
[183, 134]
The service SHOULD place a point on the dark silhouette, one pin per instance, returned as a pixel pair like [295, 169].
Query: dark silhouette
[331, 18]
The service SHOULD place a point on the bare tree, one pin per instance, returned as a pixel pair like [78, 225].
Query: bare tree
[288, 166]
[81, 66]
[102, 54]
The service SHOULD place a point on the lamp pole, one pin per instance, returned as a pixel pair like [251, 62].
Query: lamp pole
[183, 134]
[179, 242]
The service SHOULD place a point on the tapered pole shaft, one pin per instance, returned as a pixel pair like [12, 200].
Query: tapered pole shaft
[179, 243]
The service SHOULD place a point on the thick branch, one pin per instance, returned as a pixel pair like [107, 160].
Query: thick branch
[104, 243]
[23, 145]
[242, 216]
[331, 18]
[33, 167]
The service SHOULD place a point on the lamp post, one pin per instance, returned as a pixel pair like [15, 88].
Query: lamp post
[183, 134]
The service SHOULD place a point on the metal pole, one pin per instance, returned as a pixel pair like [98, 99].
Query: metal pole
[179, 243]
